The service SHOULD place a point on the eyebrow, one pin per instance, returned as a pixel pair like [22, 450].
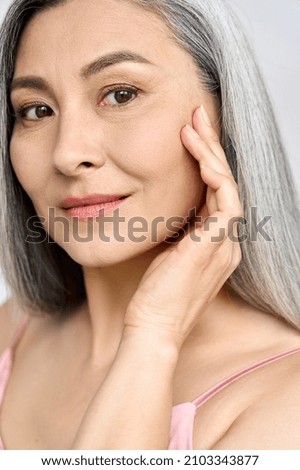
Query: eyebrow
[86, 72]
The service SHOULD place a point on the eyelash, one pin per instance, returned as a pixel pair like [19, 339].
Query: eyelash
[22, 109]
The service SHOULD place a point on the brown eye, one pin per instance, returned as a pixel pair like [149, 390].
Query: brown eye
[34, 112]
[42, 111]
[121, 96]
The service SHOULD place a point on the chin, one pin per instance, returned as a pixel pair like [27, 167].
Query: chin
[101, 254]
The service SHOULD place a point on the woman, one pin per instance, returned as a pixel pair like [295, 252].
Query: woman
[189, 273]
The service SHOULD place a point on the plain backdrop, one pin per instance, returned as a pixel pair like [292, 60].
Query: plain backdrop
[273, 29]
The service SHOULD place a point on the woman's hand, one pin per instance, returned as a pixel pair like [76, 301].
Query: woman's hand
[181, 281]
[133, 406]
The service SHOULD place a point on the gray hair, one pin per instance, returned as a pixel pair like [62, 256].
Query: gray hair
[43, 276]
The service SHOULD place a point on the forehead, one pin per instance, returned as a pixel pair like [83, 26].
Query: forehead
[67, 36]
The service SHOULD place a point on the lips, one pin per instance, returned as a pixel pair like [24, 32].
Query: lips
[91, 206]
[90, 200]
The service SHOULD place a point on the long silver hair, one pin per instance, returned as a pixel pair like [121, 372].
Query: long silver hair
[44, 277]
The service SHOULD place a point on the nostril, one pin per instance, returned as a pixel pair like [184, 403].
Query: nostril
[87, 164]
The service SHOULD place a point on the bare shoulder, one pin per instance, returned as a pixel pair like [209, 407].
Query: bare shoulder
[9, 320]
[272, 420]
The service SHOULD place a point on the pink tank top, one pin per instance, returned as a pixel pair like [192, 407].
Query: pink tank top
[183, 415]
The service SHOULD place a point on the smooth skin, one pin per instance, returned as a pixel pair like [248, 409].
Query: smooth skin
[159, 327]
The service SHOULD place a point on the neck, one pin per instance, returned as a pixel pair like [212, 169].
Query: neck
[109, 290]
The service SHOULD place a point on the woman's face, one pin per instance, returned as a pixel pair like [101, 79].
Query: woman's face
[113, 130]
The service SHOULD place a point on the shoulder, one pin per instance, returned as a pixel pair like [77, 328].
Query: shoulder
[271, 420]
[9, 320]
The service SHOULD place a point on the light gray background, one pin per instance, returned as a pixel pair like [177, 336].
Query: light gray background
[273, 29]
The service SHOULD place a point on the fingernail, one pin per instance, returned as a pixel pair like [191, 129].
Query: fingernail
[205, 116]
[192, 131]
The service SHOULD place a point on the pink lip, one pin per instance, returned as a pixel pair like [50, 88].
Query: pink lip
[89, 206]
[83, 212]
[89, 200]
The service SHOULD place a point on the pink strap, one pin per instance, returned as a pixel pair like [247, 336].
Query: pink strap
[6, 357]
[224, 383]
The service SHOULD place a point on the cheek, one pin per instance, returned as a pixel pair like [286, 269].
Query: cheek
[157, 157]
[28, 167]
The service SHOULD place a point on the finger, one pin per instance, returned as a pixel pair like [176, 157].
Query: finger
[211, 168]
[202, 151]
[211, 201]
[226, 191]
[202, 243]
[236, 258]
[211, 252]
[203, 126]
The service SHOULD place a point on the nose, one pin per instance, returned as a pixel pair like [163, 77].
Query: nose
[79, 144]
